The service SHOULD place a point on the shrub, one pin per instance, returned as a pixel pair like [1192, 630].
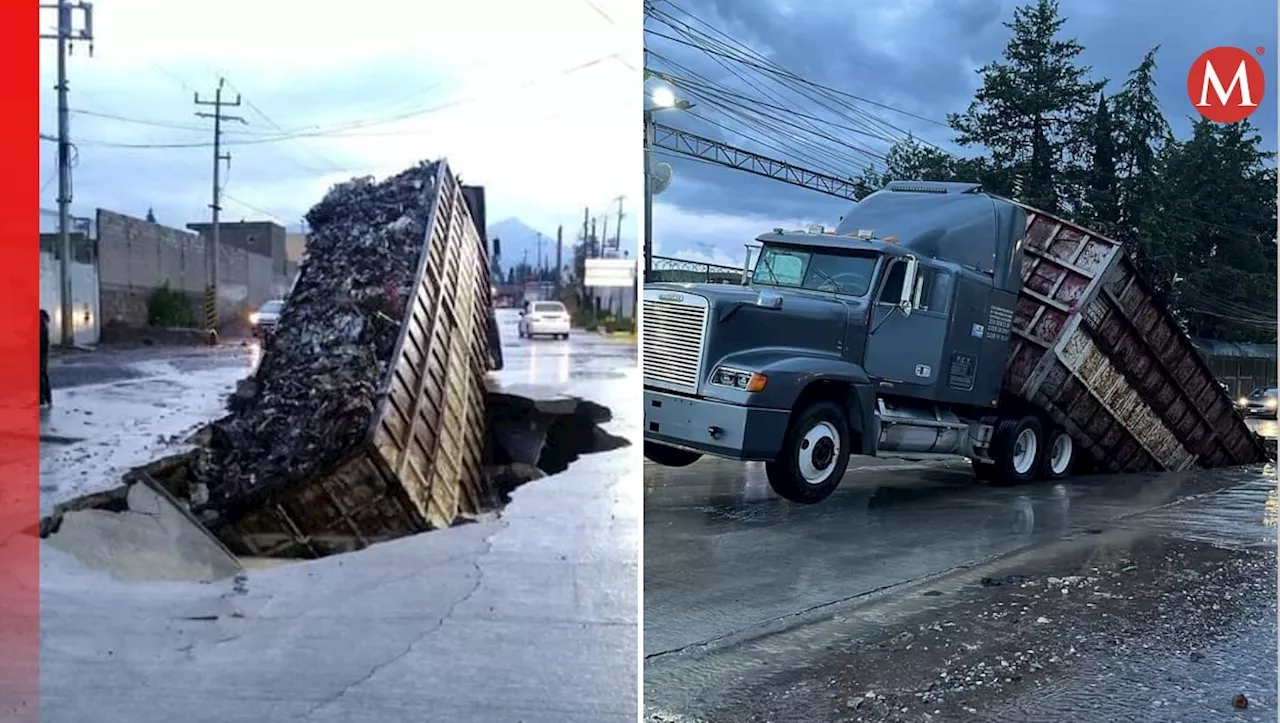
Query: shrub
[170, 309]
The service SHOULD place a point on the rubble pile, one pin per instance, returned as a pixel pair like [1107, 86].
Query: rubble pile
[313, 398]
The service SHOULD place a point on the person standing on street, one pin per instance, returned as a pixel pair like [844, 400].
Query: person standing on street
[46, 389]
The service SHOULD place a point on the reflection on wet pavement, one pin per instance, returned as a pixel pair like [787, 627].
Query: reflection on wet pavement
[728, 564]
[720, 525]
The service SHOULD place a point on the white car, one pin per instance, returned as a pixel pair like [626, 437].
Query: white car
[544, 318]
[264, 320]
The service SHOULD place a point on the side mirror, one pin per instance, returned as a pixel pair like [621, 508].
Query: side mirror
[905, 302]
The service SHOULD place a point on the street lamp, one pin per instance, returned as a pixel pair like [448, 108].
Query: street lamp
[663, 99]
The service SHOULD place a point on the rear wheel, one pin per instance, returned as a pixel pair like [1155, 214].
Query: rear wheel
[669, 456]
[1060, 455]
[814, 455]
[1018, 448]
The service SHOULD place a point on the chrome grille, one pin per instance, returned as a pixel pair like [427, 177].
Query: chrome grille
[672, 339]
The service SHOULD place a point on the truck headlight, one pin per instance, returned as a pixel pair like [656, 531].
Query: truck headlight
[738, 379]
[253, 318]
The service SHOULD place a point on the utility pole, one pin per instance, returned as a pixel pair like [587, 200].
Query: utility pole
[212, 251]
[604, 233]
[538, 275]
[559, 259]
[64, 37]
[647, 247]
[617, 234]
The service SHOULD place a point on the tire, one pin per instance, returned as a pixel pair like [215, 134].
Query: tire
[1059, 455]
[814, 457]
[669, 456]
[1013, 441]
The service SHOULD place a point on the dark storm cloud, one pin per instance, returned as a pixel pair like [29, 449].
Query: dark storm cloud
[921, 57]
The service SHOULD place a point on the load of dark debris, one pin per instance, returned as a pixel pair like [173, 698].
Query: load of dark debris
[313, 397]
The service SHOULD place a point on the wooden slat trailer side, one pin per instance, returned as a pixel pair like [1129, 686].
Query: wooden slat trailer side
[1094, 350]
[421, 465]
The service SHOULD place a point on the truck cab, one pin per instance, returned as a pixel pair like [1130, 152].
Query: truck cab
[886, 336]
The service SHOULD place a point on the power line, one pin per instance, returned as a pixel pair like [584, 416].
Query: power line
[602, 13]
[342, 130]
[282, 131]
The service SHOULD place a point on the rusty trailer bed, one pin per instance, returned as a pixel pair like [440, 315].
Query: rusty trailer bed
[1102, 357]
[420, 467]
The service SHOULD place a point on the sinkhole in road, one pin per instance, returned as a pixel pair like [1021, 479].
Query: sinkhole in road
[152, 526]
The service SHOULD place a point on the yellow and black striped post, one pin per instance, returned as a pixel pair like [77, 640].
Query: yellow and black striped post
[211, 313]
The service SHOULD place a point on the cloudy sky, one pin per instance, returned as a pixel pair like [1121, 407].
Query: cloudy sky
[915, 56]
[535, 101]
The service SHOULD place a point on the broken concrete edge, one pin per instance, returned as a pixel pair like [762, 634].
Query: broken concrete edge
[531, 438]
[118, 499]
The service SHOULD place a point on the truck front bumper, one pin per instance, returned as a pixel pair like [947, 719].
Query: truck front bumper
[716, 428]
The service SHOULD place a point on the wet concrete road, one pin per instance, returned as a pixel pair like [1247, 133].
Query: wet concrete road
[730, 568]
[530, 615]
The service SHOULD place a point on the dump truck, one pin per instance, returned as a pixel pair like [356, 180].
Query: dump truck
[366, 419]
[936, 322]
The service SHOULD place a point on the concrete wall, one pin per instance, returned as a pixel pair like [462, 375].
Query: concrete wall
[84, 295]
[295, 247]
[137, 257]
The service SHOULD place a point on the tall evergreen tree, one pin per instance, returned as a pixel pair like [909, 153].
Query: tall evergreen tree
[1032, 110]
[1220, 191]
[1103, 207]
[1142, 132]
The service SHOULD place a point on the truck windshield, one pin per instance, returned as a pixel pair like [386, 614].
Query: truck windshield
[842, 273]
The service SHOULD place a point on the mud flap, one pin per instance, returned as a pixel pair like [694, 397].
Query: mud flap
[864, 418]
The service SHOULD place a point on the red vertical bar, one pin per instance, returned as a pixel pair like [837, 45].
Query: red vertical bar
[19, 347]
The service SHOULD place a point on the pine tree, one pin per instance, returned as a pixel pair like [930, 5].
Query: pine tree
[1221, 194]
[1032, 110]
[912, 160]
[151, 216]
[1142, 131]
[1103, 207]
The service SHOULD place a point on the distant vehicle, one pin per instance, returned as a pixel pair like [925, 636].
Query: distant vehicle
[544, 318]
[1259, 403]
[264, 320]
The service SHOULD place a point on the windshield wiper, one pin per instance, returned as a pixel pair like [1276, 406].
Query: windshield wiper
[769, 267]
[839, 288]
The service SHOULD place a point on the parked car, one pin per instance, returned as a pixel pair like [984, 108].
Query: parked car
[544, 318]
[264, 320]
[1259, 403]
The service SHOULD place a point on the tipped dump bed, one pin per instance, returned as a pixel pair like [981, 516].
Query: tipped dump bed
[414, 462]
[1104, 359]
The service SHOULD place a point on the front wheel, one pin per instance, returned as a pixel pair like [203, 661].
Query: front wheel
[669, 456]
[814, 455]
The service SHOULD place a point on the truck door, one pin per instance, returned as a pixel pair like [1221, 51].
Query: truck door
[906, 348]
